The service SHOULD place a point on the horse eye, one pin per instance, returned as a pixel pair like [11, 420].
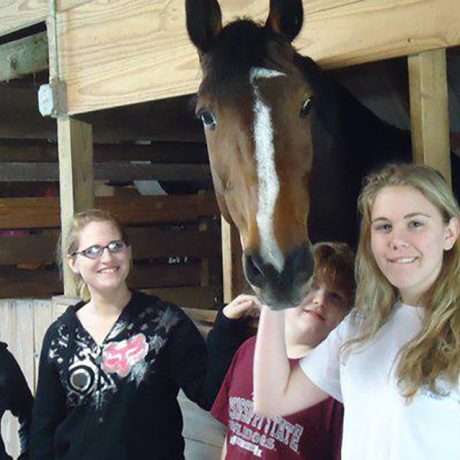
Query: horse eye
[306, 107]
[208, 119]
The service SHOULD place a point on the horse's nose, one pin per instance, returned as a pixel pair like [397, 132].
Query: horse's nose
[280, 289]
[257, 270]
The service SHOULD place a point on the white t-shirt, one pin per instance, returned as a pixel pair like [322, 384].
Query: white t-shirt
[379, 424]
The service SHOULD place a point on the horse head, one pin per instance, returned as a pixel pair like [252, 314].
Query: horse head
[255, 105]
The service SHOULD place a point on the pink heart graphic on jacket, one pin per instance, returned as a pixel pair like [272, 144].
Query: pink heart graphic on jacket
[120, 357]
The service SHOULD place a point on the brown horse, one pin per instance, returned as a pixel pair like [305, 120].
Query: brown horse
[286, 142]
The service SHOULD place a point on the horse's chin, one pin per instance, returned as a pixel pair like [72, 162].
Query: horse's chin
[281, 301]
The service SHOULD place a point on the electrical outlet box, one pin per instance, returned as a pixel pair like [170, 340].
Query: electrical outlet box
[52, 99]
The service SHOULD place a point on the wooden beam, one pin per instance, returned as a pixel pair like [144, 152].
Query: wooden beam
[113, 171]
[29, 213]
[166, 120]
[113, 61]
[172, 208]
[23, 57]
[429, 110]
[76, 178]
[192, 299]
[12, 150]
[147, 243]
[30, 249]
[24, 189]
[232, 267]
[124, 171]
[45, 212]
[152, 276]
[19, 14]
[29, 172]
[21, 283]
[16, 282]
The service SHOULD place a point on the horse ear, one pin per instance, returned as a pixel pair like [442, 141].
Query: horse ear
[285, 18]
[204, 22]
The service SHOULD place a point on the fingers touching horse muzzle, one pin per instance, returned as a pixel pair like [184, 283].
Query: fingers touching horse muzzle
[285, 289]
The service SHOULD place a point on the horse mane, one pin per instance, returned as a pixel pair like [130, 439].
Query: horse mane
[346, 119]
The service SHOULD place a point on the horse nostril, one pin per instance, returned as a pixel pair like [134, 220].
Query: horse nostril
[253, 269]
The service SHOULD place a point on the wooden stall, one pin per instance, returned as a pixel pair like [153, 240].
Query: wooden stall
[104, 56]
[150, 56]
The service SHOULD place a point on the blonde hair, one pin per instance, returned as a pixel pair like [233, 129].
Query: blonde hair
[435, 351]
[70, 242]
[334, 267]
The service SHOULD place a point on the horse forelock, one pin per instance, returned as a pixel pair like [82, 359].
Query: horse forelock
[239, 47]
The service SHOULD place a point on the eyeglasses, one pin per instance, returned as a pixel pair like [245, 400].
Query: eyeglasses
[96, 250]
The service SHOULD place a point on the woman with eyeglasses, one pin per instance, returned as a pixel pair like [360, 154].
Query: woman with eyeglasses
[112, 365]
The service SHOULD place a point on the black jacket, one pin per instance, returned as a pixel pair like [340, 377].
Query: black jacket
[119, 401]
[15, 396]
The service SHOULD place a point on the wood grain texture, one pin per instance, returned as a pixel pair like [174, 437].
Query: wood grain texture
[197, 298]
[29, 249]
[232, 268]
[76, 180]
[429, 110]
[29, 151]
[23, 57]
[18, 14]
[120, 171]
[146, 243]
[42, 283]
[18, 213]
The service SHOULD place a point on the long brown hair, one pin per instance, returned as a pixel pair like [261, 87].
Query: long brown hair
[70, 242]
[435, 351]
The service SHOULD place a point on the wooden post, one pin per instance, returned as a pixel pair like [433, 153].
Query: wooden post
[429, 110]
[205, 275]
[23, 57]
[76, 178]
[233, 276]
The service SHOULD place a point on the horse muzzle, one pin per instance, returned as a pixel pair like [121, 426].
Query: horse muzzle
[285, 289]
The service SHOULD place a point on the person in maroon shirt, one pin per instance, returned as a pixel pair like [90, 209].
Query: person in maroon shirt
[312, 434]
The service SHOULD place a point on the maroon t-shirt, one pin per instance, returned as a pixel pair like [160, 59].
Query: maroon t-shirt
[312, 434]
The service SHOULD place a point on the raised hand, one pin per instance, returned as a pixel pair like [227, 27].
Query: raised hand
[243, 305]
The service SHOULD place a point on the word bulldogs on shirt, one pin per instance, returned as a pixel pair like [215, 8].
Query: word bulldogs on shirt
[252, 431]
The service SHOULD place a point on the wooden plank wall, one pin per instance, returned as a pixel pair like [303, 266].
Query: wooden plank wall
[111, 53]
[18, 14]
[23, 324]
[161, 227]
[29, 172]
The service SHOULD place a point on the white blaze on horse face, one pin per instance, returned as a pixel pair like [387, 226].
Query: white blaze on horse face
[266, 171]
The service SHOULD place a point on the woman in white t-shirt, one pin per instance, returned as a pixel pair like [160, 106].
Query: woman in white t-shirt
[394, 362]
